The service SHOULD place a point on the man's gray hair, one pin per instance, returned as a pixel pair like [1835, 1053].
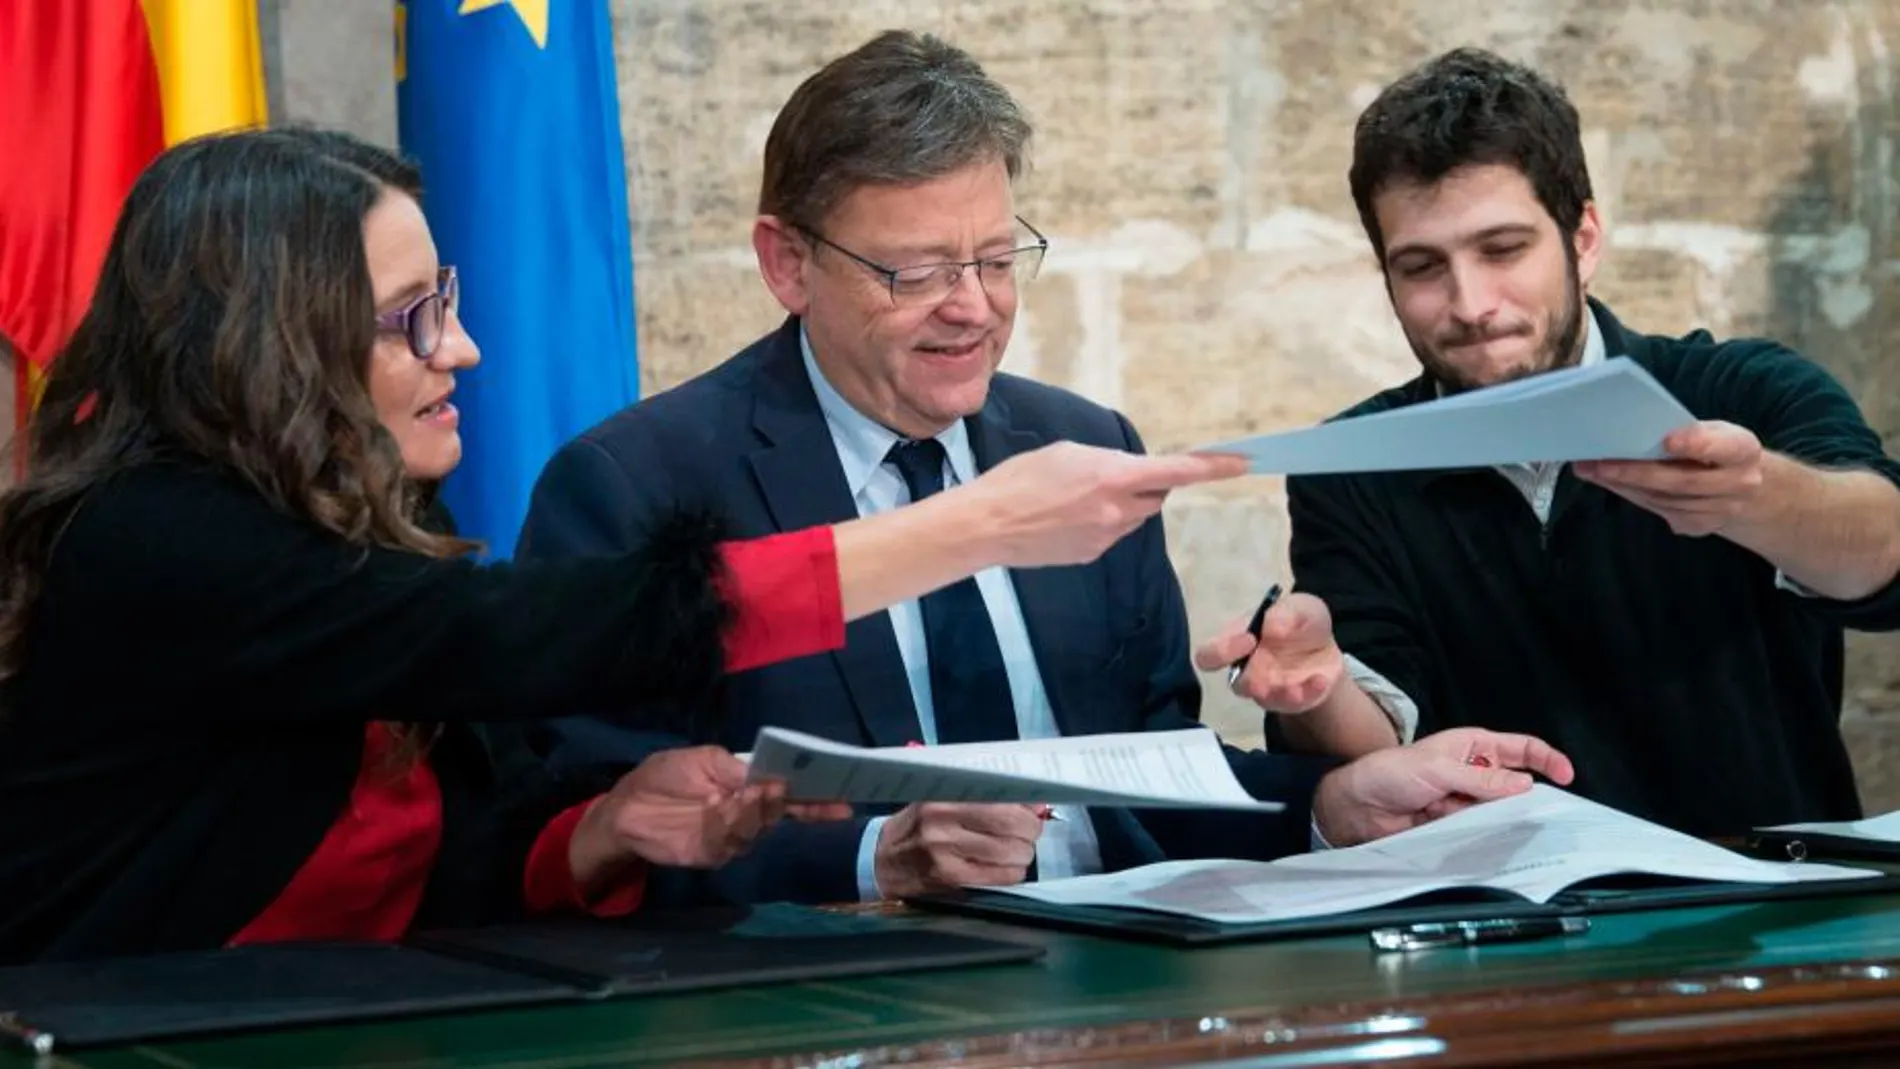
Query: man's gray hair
[902, 108]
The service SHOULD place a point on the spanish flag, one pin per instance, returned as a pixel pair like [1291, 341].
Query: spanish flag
[90, 91]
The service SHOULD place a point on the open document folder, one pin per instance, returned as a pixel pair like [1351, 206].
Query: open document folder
[1609, 411]
[1531, 846]
[1183, 769]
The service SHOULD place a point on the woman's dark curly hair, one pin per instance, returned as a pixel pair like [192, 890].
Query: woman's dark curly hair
[233, 321]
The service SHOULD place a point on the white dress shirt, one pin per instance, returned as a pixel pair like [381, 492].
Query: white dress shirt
[1067, 846]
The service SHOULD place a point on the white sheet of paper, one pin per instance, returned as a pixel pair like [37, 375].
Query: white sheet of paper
[1608, 411]
[1535, 844]
[1885, 828]
[1150, 769]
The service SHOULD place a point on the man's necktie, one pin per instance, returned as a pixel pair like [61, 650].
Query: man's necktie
[969, 688]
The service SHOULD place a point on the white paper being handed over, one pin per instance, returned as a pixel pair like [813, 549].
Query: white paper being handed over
[1183, 769]
[1608, 411]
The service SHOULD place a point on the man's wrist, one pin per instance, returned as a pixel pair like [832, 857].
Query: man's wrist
[1348, 722]
[1400, 711]
[1765, 512]
[1337, 706]
[1779, 525]
[1322, 806]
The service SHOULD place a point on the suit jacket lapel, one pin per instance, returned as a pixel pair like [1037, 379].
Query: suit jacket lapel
[1049, 597]
[803, 485]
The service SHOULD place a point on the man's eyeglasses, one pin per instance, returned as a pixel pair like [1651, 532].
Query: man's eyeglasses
[931, 284]
[424, 320]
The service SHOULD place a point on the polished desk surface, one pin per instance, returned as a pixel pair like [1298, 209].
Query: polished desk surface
[1793, 982]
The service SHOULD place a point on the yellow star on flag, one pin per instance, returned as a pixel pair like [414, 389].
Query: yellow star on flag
[532, 13]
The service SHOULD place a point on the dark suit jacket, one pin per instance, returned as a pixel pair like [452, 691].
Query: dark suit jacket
[1110, 638]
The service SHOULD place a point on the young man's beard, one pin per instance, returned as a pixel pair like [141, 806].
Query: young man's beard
[1563, 345]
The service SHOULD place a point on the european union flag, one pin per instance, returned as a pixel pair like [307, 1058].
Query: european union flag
[510, 108]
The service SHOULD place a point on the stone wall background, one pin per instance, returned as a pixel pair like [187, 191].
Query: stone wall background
[1207, 274]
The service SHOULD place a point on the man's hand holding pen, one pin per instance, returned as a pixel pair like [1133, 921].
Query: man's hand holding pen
[1285, 659]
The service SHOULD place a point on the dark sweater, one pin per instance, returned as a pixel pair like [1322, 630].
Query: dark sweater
[1685, 685]
[199, 671]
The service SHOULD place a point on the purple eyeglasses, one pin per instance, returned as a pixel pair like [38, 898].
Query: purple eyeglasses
[424, 320]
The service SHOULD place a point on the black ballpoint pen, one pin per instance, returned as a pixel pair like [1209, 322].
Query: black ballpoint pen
[1253, 628]
[1433, 935]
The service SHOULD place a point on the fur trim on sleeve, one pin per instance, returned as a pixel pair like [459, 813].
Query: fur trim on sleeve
[675, 656]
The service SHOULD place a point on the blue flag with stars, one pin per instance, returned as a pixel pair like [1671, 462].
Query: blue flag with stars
[511, 110]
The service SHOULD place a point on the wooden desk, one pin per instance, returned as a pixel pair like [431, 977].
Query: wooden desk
[1813, 982]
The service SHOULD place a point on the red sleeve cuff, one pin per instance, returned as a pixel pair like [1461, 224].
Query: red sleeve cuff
[550, 885]
[786, 592]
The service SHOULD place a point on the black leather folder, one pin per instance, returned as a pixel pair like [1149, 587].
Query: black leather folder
[58, 1005]
[1594, 897]
[718, 948]
[100, 1002]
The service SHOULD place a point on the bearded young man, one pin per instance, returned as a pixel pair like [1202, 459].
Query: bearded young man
[1675, 626]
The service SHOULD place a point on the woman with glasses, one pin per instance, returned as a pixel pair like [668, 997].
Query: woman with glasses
[252, 687]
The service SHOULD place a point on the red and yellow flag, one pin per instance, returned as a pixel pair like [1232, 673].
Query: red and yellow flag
[90, 91]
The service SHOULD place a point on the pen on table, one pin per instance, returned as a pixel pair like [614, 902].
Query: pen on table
[1043, 812]
[1253, 628]
[34, 1040]
[1437, 934]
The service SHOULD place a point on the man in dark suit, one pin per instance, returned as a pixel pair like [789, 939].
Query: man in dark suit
[887, 230]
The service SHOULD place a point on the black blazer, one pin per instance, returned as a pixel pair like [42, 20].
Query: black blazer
[199, 674]
[749, 440]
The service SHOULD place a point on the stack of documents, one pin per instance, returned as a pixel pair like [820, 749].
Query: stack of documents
[1533, 845]
[1152, 769]
[1609, 411]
